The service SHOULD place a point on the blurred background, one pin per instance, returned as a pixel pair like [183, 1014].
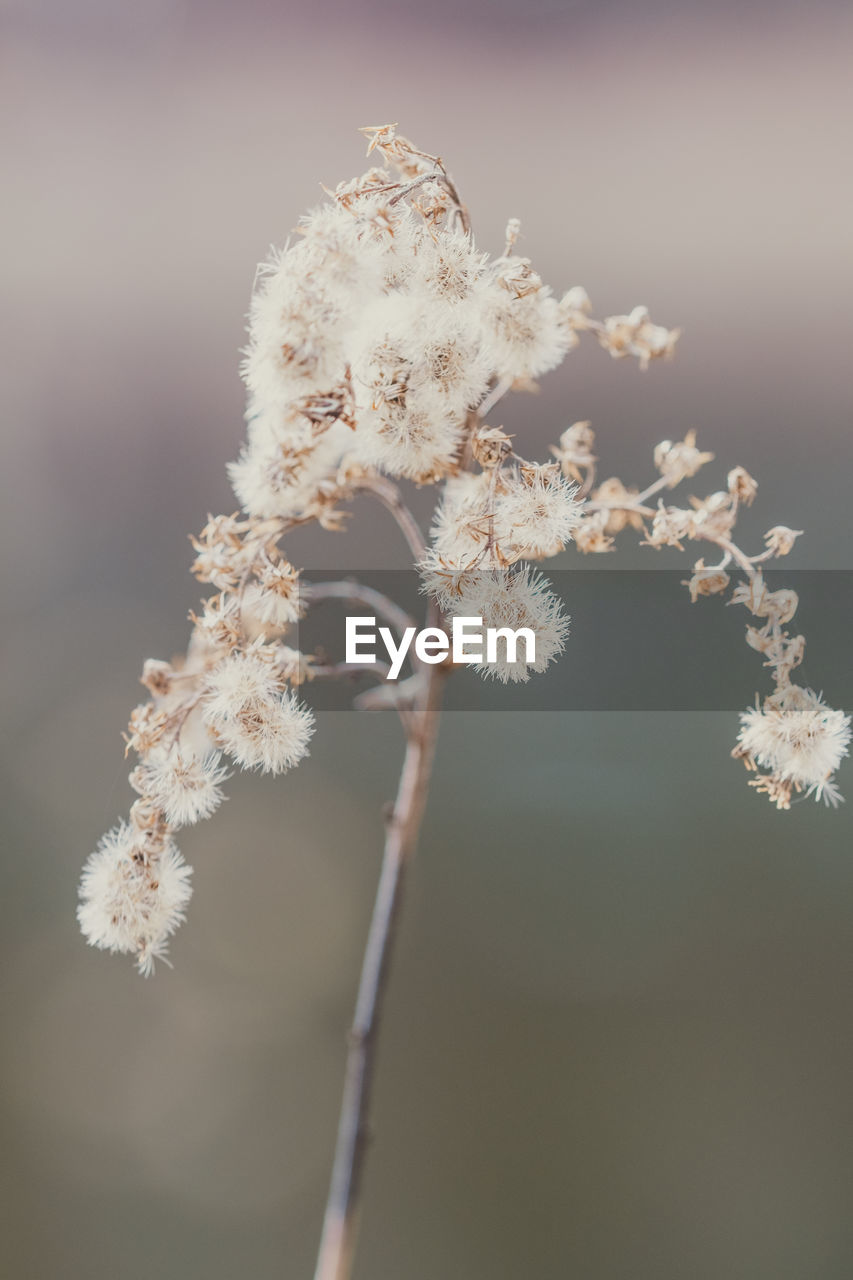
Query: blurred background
[618, 1033]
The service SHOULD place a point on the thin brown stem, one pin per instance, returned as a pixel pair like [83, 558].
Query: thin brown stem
[340, 1223]
[358, 593]
[651, 490]
[630, 508]
[391, 498]
[345, 670]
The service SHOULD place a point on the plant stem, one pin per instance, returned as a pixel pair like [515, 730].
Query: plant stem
[313, 592]
[340, 1224]
[389, 495]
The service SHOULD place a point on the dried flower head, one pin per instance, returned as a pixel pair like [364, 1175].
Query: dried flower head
[510, 601]
[798, 740]
[380, 339]
[131, 903]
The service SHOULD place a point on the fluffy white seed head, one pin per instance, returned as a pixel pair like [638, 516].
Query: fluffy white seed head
[449, 355]
[796, 736]
[447, 266]
[295, 331]
[184, 786]
[272, 597]
[514, 599]
[129, 904]
[536, 513]
[412, 435]
[461, 523]
[259, 724]
[243, 679]
[344, 251]
[524, 330]
[416, 368]
[283, 469]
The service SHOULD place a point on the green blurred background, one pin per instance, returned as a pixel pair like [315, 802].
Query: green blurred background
[618, 1035]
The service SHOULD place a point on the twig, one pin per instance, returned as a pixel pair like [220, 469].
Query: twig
[391, 498]
[340, 1223]
[342, 670]
[358, 593]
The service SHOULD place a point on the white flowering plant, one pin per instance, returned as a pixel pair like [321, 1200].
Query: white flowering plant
[381, 342]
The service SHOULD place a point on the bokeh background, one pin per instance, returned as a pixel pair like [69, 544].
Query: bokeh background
[618, 1035]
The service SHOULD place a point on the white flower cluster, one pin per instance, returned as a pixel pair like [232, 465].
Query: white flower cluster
[506, 600]
[259, 723]
[231, 697]
[379, 341]
[487, 524]
[377, 332]
[371, 339]
[798, 740]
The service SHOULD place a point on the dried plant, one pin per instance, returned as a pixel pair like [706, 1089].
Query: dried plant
[381, 342]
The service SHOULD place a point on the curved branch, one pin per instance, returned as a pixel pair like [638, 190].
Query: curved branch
[391, 498]
[358, 593]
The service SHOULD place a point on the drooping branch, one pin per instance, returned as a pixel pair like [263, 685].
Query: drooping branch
[391, 498]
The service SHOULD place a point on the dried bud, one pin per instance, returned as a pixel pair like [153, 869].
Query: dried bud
[792, 652]
[591, 534]
[220, 625]
[760, 640]
[519, 278]
[635, 335]
[157, 677]
[613, 493]
[574, 452]
[148, 819]
[780, 605]
[379, 135]
[669, 526]
[751, 593]
[741, 485]
[713, 516]
[295, 667]
[513, 231]
[706, 581]
[146, 728]
[220, 551]
[324, 408]
[491, 446]
[677, 461]
[780, 539]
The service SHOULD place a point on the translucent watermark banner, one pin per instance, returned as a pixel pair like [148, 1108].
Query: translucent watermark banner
[635, 642]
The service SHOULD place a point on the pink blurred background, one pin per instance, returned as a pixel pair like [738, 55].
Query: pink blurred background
[618, 1041]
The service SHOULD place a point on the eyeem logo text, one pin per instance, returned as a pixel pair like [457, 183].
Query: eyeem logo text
[468, 643]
